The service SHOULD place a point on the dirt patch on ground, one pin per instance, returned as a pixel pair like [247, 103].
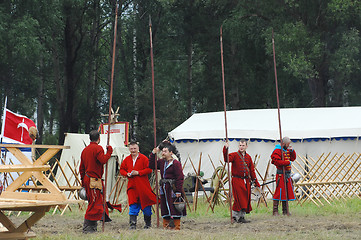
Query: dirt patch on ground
[262, 226]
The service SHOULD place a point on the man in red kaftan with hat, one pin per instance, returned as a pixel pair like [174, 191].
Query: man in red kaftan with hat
[289, 155]
[140, 194]
[91, 172]
[243, 175]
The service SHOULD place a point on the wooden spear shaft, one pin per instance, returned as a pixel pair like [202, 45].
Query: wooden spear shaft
[154, 120]
[225, 126]
[110, 113]
[279, 119]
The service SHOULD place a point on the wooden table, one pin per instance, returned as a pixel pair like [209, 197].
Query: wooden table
[13, 199]
[23, 231]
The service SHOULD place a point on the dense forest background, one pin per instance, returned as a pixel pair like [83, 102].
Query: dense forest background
[55, 63]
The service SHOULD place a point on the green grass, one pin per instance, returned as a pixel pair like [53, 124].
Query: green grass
[348, 207]
[341, 220]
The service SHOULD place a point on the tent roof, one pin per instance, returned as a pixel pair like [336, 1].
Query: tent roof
[297, 123]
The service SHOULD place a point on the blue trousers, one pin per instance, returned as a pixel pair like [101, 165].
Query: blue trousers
[135, 208]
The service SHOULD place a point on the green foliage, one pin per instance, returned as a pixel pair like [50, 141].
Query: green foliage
[50, 138]
[345, 10]
[344, 64]
[66, 46]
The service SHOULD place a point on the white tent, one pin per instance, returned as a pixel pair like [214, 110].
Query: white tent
[313, 131]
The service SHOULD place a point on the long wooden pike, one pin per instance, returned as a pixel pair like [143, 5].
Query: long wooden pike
[225, 126]
[154, 119]
[279, 119]
[110, 112]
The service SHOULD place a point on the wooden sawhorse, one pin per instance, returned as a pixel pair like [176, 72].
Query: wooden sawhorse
[39, 203]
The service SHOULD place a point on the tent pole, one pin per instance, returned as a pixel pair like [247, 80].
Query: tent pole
[225, 126]
[279, 119]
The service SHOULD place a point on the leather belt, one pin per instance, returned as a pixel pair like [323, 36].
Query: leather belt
[167, 180]
[245, 177]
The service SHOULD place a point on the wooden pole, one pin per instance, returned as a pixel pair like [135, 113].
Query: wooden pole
[279, 119]
[154, 120]
[225, 126]
[110, 112]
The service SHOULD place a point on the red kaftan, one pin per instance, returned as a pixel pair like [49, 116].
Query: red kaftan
[288, 156]
[91, 165]
[241, 183]
[139, 189]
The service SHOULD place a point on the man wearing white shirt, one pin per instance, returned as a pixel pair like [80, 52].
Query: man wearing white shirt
[140, 194]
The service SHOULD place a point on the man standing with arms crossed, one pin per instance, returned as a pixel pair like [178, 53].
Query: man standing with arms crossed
[243, 175]
[140, 194]
[289, 155]
[91, 172]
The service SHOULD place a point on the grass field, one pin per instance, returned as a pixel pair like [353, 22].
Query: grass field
[342, 220]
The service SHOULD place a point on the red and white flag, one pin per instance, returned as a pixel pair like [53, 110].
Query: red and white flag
[17, 127]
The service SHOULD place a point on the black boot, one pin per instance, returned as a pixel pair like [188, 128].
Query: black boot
[90, 226]
[132, 221]
[148, 221]
[107, 218]
[284, 209]
[275, 207]
[243, 220]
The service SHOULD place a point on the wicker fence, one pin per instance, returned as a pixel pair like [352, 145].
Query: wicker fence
[328, 178]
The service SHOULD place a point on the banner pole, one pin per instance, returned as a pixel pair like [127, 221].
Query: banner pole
[3, 122]
[279, 119]
[225, 126]
[154, 120]
[110, 112]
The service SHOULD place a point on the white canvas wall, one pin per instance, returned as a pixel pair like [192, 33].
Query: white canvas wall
[261, 148]
[262, 124]
[214, 149]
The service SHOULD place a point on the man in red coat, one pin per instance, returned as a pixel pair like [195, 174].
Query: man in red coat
[289, 155]
[91, 172]
[243, 175]
[140, 194]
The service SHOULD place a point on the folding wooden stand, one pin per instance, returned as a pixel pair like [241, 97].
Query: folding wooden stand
[23, 231]
[12, 199]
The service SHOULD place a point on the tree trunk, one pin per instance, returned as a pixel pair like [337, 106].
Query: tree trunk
[318, 85]
[91, 98]
[73, 40]
[135, 81]
[60, 100]
[317, 89]
[236, 77]
[189, 75]
[40, 110]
